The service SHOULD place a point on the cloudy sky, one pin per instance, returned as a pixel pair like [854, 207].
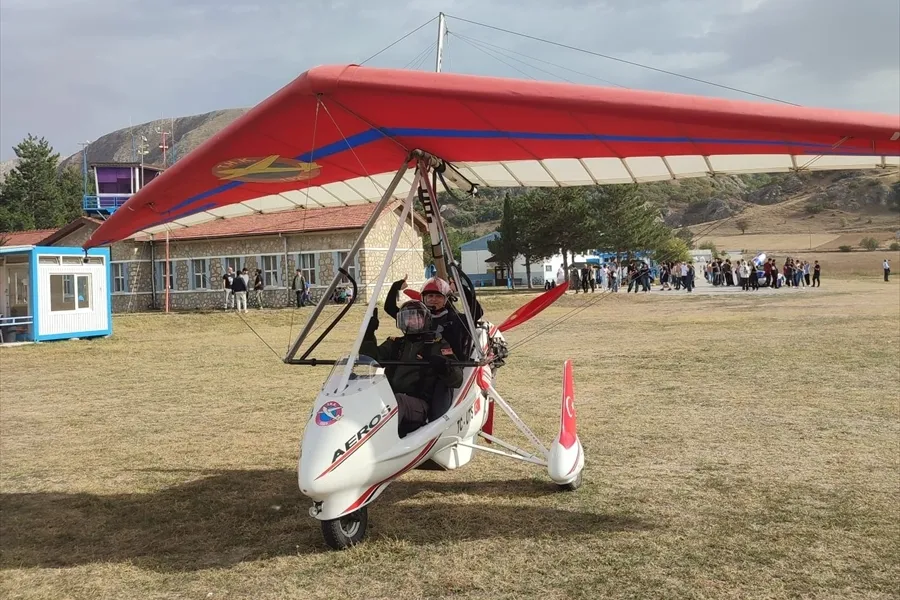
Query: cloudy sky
[73, 70]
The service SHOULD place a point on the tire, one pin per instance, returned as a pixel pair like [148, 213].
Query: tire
[346, 531]
[573, 485]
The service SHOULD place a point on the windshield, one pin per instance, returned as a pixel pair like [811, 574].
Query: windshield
[365, 372]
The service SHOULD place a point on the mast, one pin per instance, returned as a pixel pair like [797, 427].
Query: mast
[442, 33]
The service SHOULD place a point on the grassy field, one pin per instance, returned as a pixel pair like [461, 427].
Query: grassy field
[738, 446]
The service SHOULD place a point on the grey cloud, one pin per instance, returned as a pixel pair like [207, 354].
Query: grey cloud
[71, 71]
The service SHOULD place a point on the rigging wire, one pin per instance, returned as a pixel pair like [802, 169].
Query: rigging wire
[420, 56]
[398, 40]
[621, 60]
[498, 59]
[479, 45]
[546, 62]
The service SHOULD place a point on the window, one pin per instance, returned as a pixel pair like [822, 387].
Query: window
[120, 277]
[234, 262]
[350, 269]
[270, 265]
[63, 294]
[548, 268]
[307, 264]
[84, 291]
[114, 180]
[200, 274]
[161, 275]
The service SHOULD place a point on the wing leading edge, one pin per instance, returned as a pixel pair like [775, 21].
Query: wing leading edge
[336, 135]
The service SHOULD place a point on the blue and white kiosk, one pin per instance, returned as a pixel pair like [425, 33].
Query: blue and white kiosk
[54, 293]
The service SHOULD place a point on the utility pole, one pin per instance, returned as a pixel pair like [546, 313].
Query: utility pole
[143, 150]
[163, 146]
[442, 33]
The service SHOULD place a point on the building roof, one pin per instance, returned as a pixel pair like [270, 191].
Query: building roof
[25, 238]
[480, 243]
[57, 234]
[147, 166]
[294, 221]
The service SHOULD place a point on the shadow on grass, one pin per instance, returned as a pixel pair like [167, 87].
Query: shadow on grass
[236, 516]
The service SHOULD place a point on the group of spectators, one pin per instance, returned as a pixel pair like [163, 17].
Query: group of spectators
[237, 286]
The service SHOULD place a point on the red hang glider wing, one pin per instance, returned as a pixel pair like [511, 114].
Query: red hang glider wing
[336, 135]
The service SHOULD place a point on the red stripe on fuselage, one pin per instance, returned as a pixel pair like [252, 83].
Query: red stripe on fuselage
[368, 493]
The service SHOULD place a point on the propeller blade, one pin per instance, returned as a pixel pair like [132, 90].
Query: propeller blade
[528, 310]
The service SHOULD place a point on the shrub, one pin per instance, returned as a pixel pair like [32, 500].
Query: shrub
[844, 248]
[869, 243]
[895, 246]
[815, 208]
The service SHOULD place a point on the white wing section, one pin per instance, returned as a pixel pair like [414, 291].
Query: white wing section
[546, 173]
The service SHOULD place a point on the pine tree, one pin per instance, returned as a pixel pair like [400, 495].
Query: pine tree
[625, 222]
[506, 247]
[35, 195]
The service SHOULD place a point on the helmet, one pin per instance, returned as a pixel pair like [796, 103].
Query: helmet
[436, 285]
[413, 318]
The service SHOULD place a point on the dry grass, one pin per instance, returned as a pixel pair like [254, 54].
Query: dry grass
[738, 446]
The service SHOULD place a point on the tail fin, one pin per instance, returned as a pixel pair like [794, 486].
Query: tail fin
[566, 458]
[568, 430]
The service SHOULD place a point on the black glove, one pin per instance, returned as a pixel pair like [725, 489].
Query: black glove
[373, 324]
[441, 364]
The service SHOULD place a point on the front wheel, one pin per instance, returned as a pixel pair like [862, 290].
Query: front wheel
[346, 531]
[574, 484]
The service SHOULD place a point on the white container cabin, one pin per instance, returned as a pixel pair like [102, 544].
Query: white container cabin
[51, 293]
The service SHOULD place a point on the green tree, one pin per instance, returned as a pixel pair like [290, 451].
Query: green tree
[686, 235]
[36, 195]
[673, 249]
[742, 223]
[533, 212]
[624, 222]
[711, 247]
[506, 248]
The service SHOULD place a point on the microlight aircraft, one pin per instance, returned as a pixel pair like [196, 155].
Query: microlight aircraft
[344, 135]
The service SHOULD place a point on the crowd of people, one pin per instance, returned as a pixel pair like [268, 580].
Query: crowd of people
[681, 275]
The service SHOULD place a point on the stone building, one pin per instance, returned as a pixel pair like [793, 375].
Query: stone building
[315, 241]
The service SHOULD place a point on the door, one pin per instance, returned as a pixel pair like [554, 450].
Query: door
[500, 275]
[17, 290]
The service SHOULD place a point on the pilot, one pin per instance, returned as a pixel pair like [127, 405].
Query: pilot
[414, 386]
[447, 321]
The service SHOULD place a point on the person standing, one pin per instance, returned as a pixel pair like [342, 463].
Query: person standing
[817, 270]
[299, 286]
[239, 287]
[227, 280]
[886, 265]
[258, 286]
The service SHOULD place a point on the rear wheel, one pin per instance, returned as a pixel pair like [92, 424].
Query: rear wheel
[346, 531]
[574, 484]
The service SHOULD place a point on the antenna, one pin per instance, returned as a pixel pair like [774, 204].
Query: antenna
[442, 33]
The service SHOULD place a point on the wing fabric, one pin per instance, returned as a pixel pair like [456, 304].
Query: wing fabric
[336, 136]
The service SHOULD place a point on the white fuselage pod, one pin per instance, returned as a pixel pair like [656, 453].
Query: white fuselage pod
[351, 449]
